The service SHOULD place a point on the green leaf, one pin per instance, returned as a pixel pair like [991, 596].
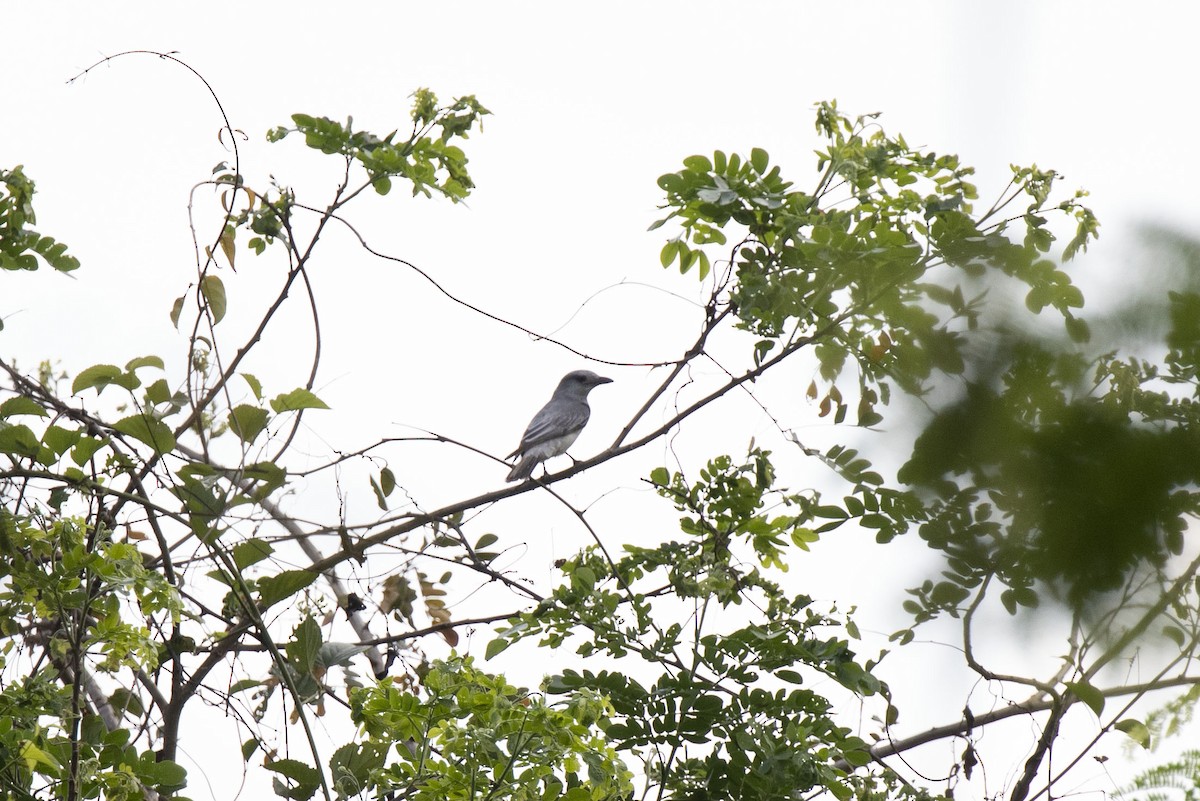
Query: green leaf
[201, 503]
[21, 405]
[251, 745]
[352, 764]
[687, 257]
[759, 160]
[306, 777]
[19, 440]
[86, 449]
[672, 182]
[125, 702]
[858, 757]
[338, 654]
[948, 594]
[1135, 729]
[380, 500]
[1175, 634]
[1026, 596]
[496, 646]
[158, 392]
[1009, 599]
[247, 421]
[227, 245]
[145, 361]
[387, 481]
[176, 310]
[668, 253]
[269, 476]
[1088, 694]
[273, 589]
[213, 291]
[830, 511]
[254, 384]
[295, 400]
[60, 439]
[1078, 329]
[306, 644]
[145, 428]
[35, 757]
[251, 552]
[165, 775]
[101, 375]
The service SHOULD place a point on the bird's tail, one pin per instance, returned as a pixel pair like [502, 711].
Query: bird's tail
[522, 469]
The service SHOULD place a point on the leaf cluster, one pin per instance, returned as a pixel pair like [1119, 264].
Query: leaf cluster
[864, 266]
[727, 708]
[473, 735]
[426, 159]
[21, 248]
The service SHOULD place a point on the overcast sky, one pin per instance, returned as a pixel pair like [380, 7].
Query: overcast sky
[591, 104]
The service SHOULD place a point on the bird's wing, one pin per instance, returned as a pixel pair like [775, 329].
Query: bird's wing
[553, 421]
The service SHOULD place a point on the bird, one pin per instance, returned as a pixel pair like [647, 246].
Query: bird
[558, 424]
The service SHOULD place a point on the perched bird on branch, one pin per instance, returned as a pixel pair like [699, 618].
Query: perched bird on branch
[558, 424]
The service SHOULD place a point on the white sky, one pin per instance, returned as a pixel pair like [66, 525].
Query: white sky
[590, 106]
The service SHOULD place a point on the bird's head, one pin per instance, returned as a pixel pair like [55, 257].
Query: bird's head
[581, 382]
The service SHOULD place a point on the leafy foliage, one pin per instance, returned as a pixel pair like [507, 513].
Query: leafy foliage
[22, 248]
[708, 691]
[1073, 493]
[473, 733]
[73, 583]
[426, 159]
[1182, 776]
[149, 559]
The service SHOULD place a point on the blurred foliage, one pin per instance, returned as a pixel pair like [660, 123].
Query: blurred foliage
[1177, 780]
[1042, 481]
[1073, 471]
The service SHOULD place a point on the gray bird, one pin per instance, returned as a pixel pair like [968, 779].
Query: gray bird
[558, 424]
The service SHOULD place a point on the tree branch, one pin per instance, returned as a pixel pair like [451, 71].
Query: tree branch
[1030, 706]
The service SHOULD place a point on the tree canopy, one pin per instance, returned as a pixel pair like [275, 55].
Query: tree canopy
[153, 564]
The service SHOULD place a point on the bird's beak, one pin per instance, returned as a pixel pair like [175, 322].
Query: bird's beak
[602, 380]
